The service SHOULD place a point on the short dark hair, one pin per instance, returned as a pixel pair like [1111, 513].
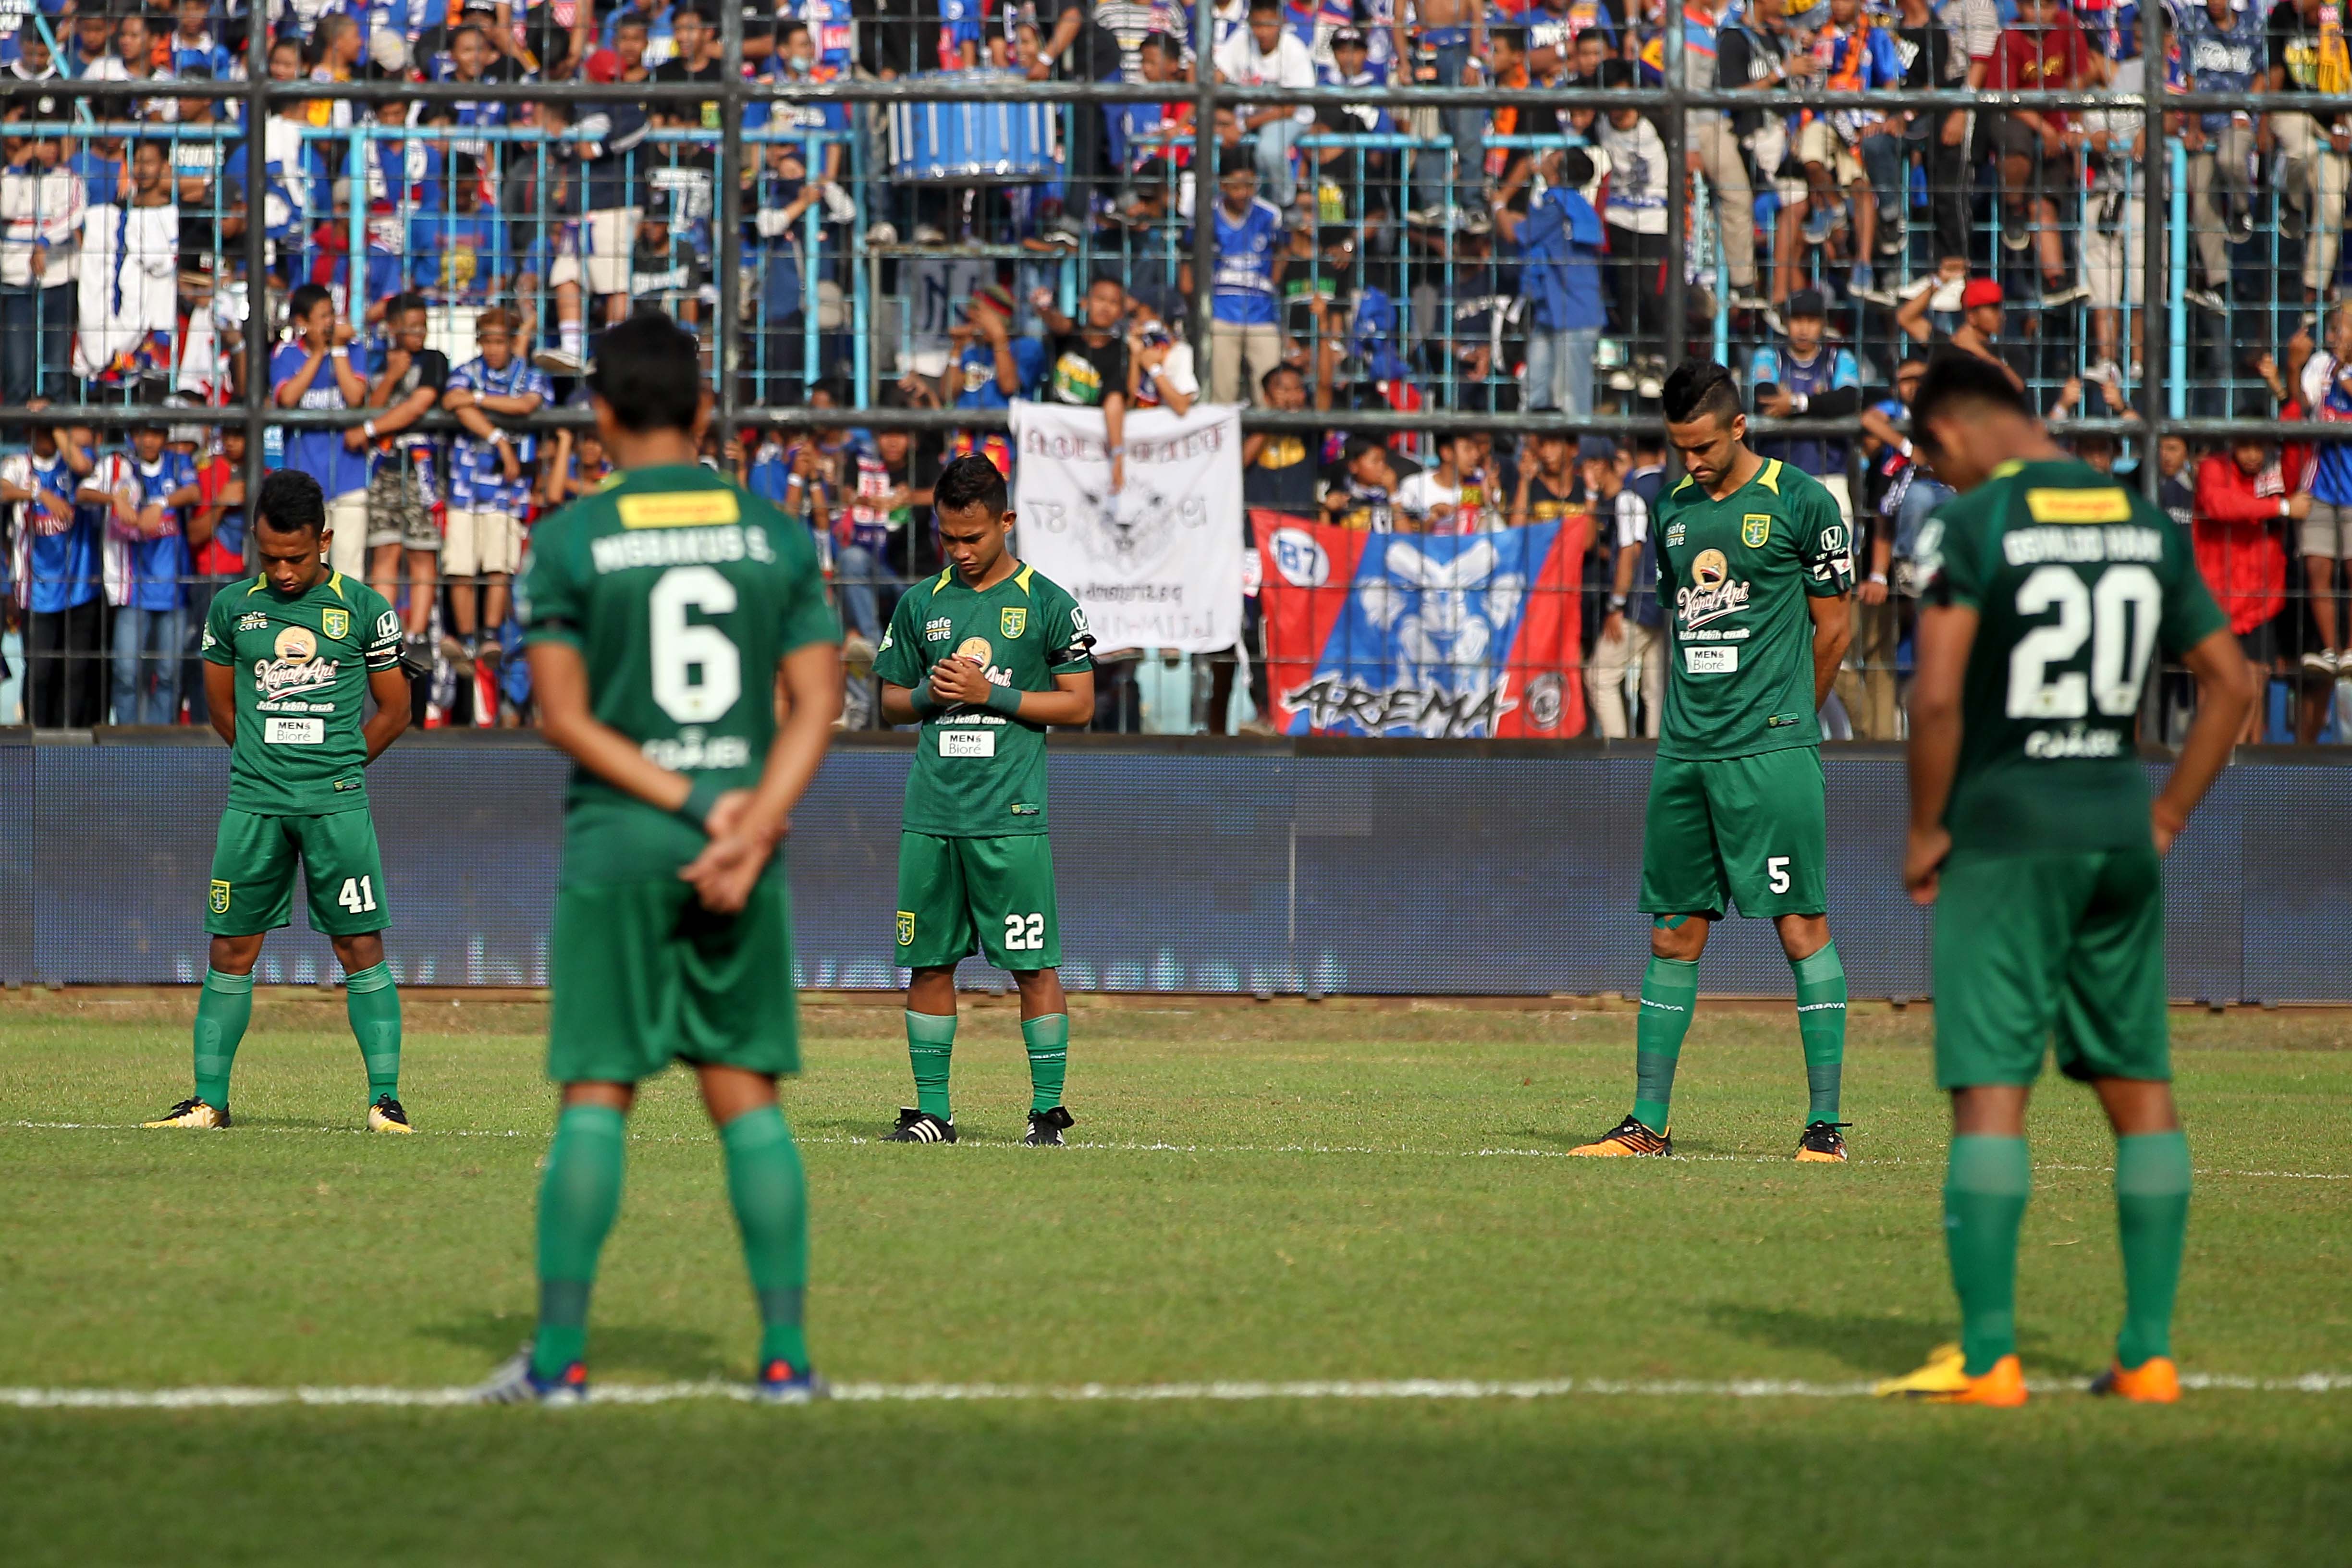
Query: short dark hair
[1257, 5]
[1615, 72]
[1512, 34]
[1955, 379]
[308, 298]
[1165, 43]
[648, 371]
[1576, 169]
[1267, 380]
[972, 480]
[699, 12]
[1700, 386]
[633, 17]
[401, 304]
[291, 502]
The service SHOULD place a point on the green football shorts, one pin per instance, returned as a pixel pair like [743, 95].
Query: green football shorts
[993, 896]
[642, 974]
[2029, 943]
[253, 874]
[1750, 830]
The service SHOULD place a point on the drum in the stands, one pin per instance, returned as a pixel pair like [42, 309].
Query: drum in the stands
[1000, 141]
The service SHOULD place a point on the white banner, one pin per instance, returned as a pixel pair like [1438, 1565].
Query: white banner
[1158, 565]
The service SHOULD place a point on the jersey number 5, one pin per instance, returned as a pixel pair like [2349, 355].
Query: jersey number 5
[681, 649]
[2117, 618]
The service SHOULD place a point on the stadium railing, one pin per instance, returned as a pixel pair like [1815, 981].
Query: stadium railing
[763, 373]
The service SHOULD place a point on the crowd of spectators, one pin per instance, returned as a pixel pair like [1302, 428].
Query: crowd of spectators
[1385, 257]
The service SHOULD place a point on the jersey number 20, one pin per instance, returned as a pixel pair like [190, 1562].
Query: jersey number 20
[697, 673]
[2117, 617]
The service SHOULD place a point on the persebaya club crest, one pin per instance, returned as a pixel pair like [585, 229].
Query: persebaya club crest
[1755, 529]
[1014, 622]
[335, 625]
[906, 928]
[220, 897]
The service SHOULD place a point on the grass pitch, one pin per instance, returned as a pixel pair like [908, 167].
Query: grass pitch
[1274, 1193]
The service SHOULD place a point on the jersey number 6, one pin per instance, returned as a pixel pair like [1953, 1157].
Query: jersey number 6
[680, 647]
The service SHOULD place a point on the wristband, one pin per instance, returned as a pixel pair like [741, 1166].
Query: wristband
[2284, 508]
[368, 429]
[1004, 699]
[1879, 578]
[701, 798]
[921, 700]
[1616, 603]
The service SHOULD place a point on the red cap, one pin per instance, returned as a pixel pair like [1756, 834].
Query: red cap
[1979, 292]
[603, 64]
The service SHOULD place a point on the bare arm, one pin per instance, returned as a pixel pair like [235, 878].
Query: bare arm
[2222, 696]
[1832, 632]
[290, 393]
[1114, 407]
[389, 689]
[1941, 645]
[220, 697]
[1912, 315]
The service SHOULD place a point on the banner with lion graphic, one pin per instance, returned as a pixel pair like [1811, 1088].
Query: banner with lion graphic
[1156, 564]
[1441, 635]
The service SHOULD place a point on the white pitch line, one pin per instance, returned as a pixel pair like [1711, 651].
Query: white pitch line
[1002, 1145]
[1082, 1393]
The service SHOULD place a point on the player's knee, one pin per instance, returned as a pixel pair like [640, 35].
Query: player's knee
[1682, 937]
[364, 951]
[235, 954]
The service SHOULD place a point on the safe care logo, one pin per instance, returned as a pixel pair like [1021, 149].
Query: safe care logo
[298, 666]
[1711, 595]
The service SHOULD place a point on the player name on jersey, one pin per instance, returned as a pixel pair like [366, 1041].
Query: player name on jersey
[681, 547]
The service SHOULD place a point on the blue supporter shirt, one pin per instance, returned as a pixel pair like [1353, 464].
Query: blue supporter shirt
[2222, 60]
[62, 569]
[975, 372]
[1830, 369]
[478, 480]
[320, 453]
[1245, 252]
[457, 258]
[158, 564]
[1560, 240]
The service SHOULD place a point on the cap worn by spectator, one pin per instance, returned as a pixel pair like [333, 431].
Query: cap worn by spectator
[1343, 36]
[603, 64]
[388, 52]
[995, 295]
[1981, 292]
[1596, 449]
[1805, 302]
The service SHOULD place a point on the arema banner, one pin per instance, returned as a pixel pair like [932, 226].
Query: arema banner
[1156, 563]
[1452, 636]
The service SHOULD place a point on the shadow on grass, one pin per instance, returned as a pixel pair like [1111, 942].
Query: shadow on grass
[661, 1351]
[1884, 1346]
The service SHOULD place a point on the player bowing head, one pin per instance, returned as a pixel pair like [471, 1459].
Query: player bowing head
[1704, 421]
[975, 526]
[2047, 586]
[647, 390]
[1753, 573]
[290, 531]
[291, 661]
[984, 657]
[683, 655]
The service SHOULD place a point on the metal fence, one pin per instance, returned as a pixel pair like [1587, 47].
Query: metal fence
[816, 316]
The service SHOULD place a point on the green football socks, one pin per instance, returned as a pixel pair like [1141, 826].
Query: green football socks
[1821, 1025]
[224, 1007]
[931, 1040]
[1048, 1040]
[1985, 1190]
[373, 1003]
[764, 1182]
[578, 1197]
[1669, 996]
[2152, 1213]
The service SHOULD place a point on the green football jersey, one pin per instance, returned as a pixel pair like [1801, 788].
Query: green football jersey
[980, 773]
[682, 592]
[2075, 581]
[301, 666]
[1734, 576]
